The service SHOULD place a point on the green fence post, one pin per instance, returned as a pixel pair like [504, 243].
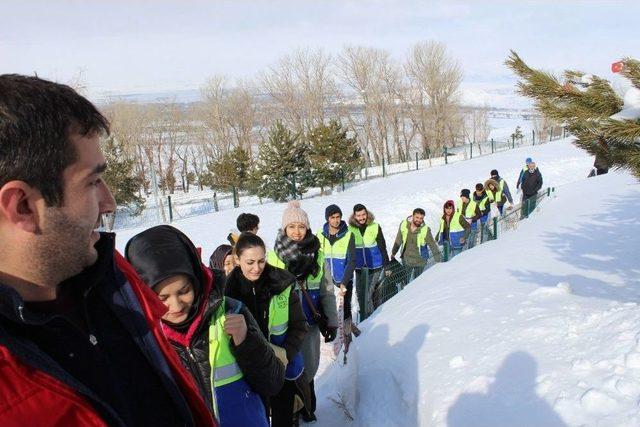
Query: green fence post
[342, 178]
[513, 141]
[548, 191]
[384, 170]
[533, 136]
[170, 208]
[550, 134]
[215, 202]
[471, 150]
[492, 146]
[445, 250]
[495, 228]
[417, 166]
[236, 202]
[446, 157]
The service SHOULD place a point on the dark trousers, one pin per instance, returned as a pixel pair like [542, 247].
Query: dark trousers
[347, 300]
[282, 405]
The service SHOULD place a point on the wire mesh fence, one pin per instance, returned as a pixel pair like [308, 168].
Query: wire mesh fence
[379, 288]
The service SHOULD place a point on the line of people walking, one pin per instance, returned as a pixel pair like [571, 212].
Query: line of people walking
[91, 338]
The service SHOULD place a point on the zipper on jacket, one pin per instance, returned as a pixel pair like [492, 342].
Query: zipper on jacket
[193, 363]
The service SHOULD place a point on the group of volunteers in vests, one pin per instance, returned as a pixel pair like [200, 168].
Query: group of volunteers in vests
[91, 338]
[248, 327]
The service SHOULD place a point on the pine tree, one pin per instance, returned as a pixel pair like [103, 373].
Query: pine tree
[282, 164]
[333, 156]
[121, 178]
[584, 103]
[517, 134]
[229, 171]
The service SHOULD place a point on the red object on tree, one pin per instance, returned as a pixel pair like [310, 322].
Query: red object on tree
[616, 67]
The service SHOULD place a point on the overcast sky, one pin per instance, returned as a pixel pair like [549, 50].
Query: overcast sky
[144, 46]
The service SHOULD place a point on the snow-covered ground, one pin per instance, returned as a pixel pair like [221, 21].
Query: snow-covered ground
[538, 328]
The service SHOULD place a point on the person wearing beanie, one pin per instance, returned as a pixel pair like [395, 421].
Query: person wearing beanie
[454, 229]
[528, 161]
[502, 185]
[170, 265]
[338, 246]
[470, 211]
[413, 241]
[531, 184]
[222, 259]
[297, 250]
[371, 254]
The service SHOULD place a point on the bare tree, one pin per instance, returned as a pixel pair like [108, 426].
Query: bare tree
[301, 87]
[376, 83]
[476, 126]
[435, 80]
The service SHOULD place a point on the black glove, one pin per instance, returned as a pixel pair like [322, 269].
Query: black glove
[330, 334]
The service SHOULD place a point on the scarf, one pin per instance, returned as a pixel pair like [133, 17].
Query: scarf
[301, 258]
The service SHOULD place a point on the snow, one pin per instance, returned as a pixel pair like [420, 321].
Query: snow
[552, 338]
[538, 328]
[631, 108]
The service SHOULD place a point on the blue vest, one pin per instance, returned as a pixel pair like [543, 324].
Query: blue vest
[368, 254]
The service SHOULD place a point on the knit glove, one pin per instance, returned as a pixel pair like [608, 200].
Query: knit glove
[331, 333]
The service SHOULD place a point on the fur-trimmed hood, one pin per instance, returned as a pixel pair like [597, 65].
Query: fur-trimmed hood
[492, 182]
[370, 218]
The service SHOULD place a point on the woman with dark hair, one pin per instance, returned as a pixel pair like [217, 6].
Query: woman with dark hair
[454, 229]
[267, 293]
[297, 250]
[222, 259]
[216, 338]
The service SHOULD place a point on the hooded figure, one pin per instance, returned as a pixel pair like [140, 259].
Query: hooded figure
[496, 195]
[197, 330]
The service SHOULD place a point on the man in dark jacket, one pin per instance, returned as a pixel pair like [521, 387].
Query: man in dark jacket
[531, 184]
[80, 340]
[371, 255]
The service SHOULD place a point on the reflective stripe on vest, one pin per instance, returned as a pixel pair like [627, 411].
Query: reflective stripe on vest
[470, 211]
[423, 250]
[278, 326]
[279, 313]
[456, 231]
[494, 197]
[224, 369]
[483, 203]
[367, 251]
[454, 224]
[335, 256]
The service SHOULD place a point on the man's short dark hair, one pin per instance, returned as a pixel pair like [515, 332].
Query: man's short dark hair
[419, 211]
[247, 222]
[37, 119]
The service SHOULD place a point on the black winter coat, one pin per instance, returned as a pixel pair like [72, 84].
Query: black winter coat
[257, 295]
[261, 368]
[531, 183]
[149, 253]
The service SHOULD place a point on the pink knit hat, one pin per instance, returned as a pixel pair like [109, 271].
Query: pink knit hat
[294, 213]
